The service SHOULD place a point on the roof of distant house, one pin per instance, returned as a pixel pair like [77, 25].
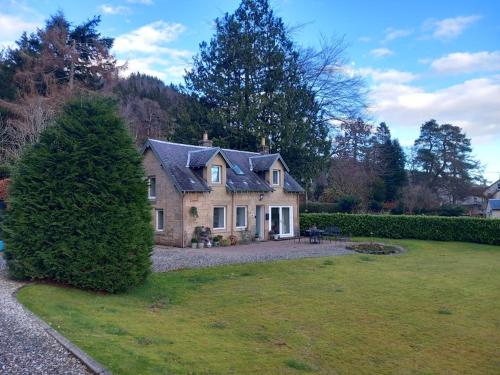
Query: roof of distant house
[184, 163]
[494, 204]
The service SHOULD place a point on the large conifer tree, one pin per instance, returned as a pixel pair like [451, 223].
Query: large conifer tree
[79, 212]
[251, 79]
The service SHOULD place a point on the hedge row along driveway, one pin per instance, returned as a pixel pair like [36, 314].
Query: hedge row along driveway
[438, 228]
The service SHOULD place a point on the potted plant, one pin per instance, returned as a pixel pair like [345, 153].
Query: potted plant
[217, 240]
[273, 235]
[194, 212]
[194, 243]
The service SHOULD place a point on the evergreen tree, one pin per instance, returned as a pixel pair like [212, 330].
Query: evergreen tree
[79, 212]
[444, 159]
[388, 161]
[251, 80]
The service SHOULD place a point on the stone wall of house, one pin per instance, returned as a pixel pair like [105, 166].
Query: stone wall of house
[180, 222]
[220, 197]
[169, 199]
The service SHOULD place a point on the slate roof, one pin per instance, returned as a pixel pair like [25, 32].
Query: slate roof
[182, 161]
[494, 204]
[259, 163]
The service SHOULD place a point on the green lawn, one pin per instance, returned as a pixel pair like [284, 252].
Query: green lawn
[433, 310]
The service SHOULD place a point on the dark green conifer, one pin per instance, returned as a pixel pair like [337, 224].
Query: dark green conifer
[79, 212]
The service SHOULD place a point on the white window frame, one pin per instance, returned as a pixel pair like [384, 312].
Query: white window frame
[157, 212]
[149, 187]
[224, 216]
[245, 216]
[278, 172]
[220, 174]
[292, 229]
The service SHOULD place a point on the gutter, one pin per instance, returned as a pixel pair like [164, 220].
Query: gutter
[182, 221]
[232, 213]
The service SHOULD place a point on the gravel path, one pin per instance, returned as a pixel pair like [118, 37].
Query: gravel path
[167, 259]
[25, 347]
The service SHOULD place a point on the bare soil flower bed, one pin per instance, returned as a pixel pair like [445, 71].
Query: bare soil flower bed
[375, 248]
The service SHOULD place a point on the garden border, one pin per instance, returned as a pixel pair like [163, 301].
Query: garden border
[83, 357]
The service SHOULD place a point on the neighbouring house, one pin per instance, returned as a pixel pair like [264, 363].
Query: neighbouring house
[493, 191]
[231, 192]
[473, 205]
[492, 194]
[493, 209]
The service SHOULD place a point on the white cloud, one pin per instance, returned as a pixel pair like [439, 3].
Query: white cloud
[392, 33]
[12, 26]
[472, 104]
[450, 28]
[147, 50]
[143, 2]
[387, 76]
[114, 10]
[381, 52]
[466, 62]
[365, 39]
[149, 38]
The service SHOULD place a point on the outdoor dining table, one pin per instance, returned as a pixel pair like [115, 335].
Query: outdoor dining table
[315, 235]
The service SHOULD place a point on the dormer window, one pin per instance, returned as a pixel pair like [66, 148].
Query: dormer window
[216, 174]
[276, 177]
[152, 187]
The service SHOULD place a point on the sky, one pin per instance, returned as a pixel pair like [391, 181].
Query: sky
[421, 59]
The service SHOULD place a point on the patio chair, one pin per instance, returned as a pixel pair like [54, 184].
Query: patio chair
[298, 237]
[332, 233]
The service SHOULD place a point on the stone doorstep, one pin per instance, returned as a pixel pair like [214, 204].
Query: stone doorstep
[83, 357]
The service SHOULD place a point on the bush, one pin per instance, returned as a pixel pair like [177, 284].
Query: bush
[348, 203]
[79, 212]
[451, 210]
[403, 226]
[319, 207]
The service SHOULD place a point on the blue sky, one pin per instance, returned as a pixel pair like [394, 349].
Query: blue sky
[421, 59]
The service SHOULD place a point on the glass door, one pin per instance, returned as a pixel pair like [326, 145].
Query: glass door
[281, 220]
[275, 220]
[286, 225]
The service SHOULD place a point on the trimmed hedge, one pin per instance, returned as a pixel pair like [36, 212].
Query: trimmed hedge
[438, 228]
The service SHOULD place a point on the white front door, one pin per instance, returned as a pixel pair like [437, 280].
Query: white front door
[281, 220]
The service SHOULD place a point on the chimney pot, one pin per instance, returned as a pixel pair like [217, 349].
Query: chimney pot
[264, 149]
[205, 141]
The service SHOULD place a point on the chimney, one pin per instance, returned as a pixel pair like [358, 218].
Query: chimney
[264, 149]
[205, 141]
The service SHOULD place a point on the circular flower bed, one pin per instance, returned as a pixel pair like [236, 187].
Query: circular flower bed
[375, 248]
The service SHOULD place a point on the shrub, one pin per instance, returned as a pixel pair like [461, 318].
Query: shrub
[403, 226]
[348, 204]
[319, 207]
[79, 212]
[451, 210]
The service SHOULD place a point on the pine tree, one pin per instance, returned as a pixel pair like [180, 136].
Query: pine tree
[388, 161]
[251, 80]
[79, 212]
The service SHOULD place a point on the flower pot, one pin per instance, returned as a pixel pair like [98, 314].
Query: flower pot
[194, 245]
[201, 245]
[276, 236]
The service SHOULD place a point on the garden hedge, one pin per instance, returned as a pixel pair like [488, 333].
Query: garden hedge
[438, 228]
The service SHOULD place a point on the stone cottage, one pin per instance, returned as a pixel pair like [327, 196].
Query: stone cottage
[231, 192]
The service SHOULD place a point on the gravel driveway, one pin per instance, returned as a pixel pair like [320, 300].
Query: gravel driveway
[25, 347]
[167, 258]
